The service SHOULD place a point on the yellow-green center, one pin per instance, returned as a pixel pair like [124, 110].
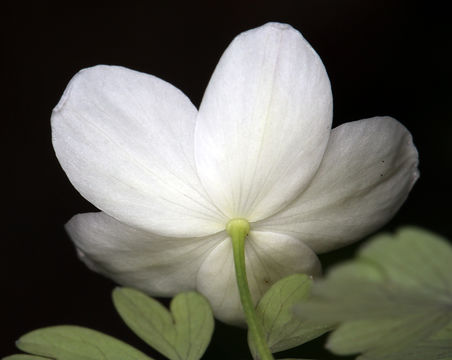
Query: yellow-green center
[238, 225]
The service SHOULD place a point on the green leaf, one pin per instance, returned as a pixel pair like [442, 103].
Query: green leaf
[75, 343]
[275, 310]
[439, 346]
[182, 334]
[24, 357]
[394, 298]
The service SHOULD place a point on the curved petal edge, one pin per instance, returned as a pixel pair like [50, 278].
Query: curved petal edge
[366, 174]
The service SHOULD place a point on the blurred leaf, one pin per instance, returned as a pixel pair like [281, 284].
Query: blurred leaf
[390, 301]
[275, 311]
[439, 346]
[74, 343]
[182, 334]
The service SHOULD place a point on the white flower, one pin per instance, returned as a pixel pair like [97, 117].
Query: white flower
[168, 178]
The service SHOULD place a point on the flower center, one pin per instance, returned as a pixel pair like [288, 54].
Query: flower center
[238, 226]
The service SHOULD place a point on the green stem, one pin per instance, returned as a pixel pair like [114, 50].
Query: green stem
[238, 230]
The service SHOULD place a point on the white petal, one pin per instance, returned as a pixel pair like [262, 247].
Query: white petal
[267, 109]
[157, 265]
[125, 140]
[269, 257]
[367, 172]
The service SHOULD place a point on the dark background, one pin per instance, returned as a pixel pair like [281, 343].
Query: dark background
[383, 58]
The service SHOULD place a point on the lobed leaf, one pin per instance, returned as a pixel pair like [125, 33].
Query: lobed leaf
[182, 334]
[74, 343]
[275, 310]
[393, 298]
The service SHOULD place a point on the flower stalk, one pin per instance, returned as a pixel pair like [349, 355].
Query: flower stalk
[238, 230]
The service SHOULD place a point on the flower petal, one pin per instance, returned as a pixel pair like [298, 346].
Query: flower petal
[267, 109]
[269, 257]
[125, 140]
[367, 172]
[158, 265]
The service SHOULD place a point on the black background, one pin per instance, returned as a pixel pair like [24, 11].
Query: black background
[383, 58]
